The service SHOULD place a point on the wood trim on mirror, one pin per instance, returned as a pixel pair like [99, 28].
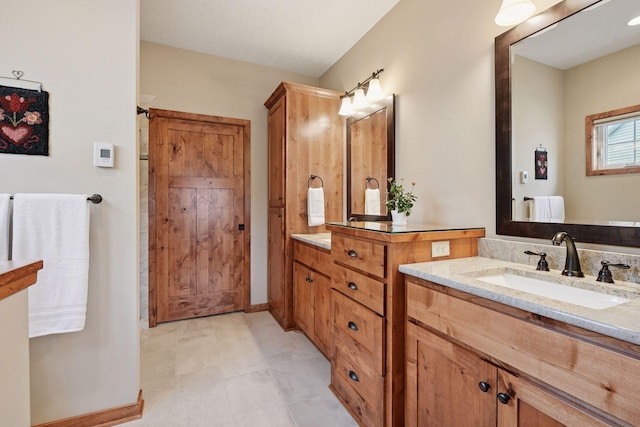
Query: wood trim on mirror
[587, 233]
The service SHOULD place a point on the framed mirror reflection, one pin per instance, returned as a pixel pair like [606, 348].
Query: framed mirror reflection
[574, 60]
[370, 160]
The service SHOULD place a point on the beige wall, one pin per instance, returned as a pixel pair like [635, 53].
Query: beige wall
[85, 55]
[605, 84]
[538, 119]
[193, 82]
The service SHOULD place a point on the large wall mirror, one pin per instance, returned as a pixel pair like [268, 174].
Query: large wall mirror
[370, 160]
[574, 60]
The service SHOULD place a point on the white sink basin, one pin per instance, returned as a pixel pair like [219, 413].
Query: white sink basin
[545, 287]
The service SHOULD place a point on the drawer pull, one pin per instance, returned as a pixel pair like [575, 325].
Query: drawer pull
[352, 326]
[352, 286]
[352, 253]
[504, 398]
[484, 386]
[354, 376]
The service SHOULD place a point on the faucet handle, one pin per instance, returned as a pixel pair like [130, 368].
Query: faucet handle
[604, 275]
[543, 265]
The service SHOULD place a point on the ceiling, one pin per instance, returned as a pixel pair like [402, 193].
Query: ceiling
[595, 32]
[304, 36]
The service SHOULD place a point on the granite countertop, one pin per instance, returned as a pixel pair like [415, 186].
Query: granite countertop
[621, 321]
[322, 240]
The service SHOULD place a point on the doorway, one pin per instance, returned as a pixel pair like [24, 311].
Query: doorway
[199, 211]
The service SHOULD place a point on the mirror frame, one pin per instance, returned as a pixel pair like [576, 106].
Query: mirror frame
[587, 233]
[390, 103]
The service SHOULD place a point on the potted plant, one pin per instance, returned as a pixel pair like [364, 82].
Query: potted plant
[400, 202]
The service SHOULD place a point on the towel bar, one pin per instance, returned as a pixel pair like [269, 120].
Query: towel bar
[311, 178]
[526, 199]
[94, 198]
[370, 178]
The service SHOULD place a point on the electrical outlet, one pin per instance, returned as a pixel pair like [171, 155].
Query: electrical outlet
[439, 249]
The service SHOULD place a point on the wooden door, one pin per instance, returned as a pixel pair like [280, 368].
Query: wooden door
[443, 384]
[276, 263]
[303, 298]
[527, 405]
[322, 319]
[277, 116]
[198, 233]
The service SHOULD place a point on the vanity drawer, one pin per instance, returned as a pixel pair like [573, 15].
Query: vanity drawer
[315, 258]
[361, 288]
[594, 374]
[359, 386]
[360, 328]
[363, 255]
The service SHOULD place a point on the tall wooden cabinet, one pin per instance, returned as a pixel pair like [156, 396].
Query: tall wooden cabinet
[305, 138]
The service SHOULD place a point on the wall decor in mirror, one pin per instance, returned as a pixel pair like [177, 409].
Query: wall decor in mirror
[370, 160]
[575, 60]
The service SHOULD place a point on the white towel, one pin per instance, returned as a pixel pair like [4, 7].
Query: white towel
[372, 201]
[315, 206]
[540, 209]
[556, 204]
[4, 226]
[54, 228]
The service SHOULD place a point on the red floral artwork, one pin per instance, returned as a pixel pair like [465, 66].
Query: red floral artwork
[24, 127]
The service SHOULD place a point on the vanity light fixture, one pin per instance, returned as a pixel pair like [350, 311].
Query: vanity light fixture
[360, 100]
[513, 12]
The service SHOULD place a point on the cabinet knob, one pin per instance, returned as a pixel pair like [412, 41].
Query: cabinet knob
[352, 286]
[504, 398]
[484, 386]
[352, 253]
[352, 326]
[354, 376]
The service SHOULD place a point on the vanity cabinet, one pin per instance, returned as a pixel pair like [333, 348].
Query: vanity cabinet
[312, 294]
[476, 362]
[368, 300]
[305, 137]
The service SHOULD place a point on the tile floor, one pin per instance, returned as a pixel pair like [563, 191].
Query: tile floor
[235, 370]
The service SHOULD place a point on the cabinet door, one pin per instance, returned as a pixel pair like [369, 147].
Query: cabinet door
[303, 284]
[276, 135]
[443, 384]
[276, 268]
[322, 313]
[524, 404]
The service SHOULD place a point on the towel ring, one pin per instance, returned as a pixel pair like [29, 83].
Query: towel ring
[311, 178]
[369, 179]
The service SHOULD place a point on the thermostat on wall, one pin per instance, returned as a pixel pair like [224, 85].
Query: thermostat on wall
[103, 154]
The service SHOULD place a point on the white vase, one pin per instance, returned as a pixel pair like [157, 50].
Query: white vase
[398, 218]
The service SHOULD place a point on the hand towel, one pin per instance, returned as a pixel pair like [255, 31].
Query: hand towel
[54, 228]
[315, 206]
[540, 209]
[372, 201]
[556, 204]
[4, 226]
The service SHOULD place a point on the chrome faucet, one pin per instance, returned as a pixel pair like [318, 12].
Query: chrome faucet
[572, 262]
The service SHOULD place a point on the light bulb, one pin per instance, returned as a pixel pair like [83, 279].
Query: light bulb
[359, 100]
[374, 93]
[513, 12]
[346, 109]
